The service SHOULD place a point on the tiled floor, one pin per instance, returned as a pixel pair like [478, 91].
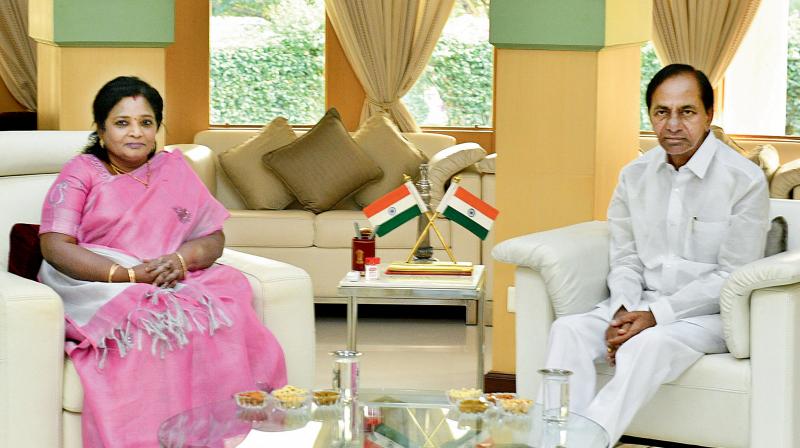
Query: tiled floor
[402, 351]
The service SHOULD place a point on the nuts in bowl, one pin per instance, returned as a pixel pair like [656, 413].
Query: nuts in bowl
[326, 397]
[290, 397]
[252, 399]
[496, 397]
[516, 406]
[457, 395]
[472, 406]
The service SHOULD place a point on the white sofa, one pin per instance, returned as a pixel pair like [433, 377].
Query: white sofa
[40, 393]
[747, 398]
[320, 244]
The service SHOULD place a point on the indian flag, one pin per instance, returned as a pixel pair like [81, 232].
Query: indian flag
[464, 208]
[395, 208]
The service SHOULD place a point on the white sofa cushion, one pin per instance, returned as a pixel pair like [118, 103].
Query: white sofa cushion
[573, 261]
[449, 162]
[270, 228]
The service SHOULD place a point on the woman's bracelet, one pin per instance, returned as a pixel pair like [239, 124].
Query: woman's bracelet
[183, 263]
[111, 272]
[131, 275]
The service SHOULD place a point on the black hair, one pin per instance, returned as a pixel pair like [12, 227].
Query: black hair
[108, 96]
[672, 70]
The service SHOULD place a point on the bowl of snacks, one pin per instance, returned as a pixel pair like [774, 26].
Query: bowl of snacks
[516, 406]
[455, 396]
[496, 397]
[326, 397]
[290, 397]
[472, 406]
[252, 404]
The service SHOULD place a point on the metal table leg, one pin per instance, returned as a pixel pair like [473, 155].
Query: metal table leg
[352, 322]
[481, 325]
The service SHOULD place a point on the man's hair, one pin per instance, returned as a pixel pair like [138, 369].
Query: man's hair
[672, 70]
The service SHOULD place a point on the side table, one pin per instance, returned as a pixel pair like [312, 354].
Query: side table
[423, 290]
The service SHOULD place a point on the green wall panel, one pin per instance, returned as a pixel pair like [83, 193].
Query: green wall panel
[548, 24]
[114, 23]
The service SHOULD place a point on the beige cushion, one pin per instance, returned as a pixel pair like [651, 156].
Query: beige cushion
[448, 162]
[785, 179]
[487, 165]
[273, 228]
[256, 183]
[395, 155]
[765, 156]
[334, 229]
[324, 166]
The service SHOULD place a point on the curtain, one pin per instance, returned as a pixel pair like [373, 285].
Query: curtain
[17, 52]
[388, 44]
[701, 33]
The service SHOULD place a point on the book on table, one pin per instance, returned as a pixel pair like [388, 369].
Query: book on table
[430, 269]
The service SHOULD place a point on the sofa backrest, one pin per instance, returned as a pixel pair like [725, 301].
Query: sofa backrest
[31, 161]
[220, 140]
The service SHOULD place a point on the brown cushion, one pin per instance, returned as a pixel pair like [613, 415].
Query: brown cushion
[449, 162]
[765, 156]
[258, 186]
[395, 156]
[324, 166]
[24, 252]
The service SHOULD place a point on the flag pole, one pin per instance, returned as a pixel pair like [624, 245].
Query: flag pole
[439, 235]
[419, 240]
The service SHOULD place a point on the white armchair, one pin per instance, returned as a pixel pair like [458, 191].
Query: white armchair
[41, 398]
[747, 398]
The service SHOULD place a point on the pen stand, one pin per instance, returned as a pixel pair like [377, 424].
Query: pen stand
[362, 249]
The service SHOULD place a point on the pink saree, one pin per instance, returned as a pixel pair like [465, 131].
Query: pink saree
[145, 353]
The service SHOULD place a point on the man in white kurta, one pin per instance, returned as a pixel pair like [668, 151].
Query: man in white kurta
[682, 218]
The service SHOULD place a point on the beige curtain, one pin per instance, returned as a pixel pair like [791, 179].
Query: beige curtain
[701, 33]
[17, 52]
[388, 44]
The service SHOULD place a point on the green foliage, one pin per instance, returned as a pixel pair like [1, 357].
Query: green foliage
[650, 66]
[462, 72]
[255, 85]
[793, 74]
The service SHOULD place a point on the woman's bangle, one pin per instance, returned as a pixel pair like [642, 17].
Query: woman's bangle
[183, 263]
[131, 275]
[111, 272]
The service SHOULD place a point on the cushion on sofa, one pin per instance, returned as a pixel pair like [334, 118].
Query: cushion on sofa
[324, 166]
[269, 228]
[785, 179]
[24, 252]
[487, 165]
[258, 186]
[334, 229]
[392, 152]
[765, 156]
[449, 162]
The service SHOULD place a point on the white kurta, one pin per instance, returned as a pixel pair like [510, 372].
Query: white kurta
[676, 235]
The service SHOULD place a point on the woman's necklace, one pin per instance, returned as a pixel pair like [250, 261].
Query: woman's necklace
[145, 182]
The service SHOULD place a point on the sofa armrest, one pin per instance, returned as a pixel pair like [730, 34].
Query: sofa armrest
[573, 263]
[31, 363]
[284, 301]
[201, 159]
[734, 301]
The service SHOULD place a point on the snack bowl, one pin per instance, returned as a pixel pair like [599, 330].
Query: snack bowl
[251, 404]
[455, 396]
[326, 397]
[496, 397]
[515, 408]
[290, 398]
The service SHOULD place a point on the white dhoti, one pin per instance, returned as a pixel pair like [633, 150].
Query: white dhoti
[655, 356]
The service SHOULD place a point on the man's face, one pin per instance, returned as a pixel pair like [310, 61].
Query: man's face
[679, 118]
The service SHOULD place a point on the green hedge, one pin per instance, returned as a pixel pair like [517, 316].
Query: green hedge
[254, 85]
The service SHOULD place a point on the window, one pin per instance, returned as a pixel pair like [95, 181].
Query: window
[267, 61]
[650, 66]
[456, 87]
[760, 94]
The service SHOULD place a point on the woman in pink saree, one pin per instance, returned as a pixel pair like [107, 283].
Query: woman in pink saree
[130, 236]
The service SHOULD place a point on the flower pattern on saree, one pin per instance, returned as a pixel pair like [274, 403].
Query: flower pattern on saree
[184, 215]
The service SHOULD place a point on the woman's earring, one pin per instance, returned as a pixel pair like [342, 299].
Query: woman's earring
[102, 143]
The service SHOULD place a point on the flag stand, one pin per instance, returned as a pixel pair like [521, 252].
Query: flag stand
[432, 224]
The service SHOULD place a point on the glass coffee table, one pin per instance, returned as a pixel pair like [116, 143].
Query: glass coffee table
[381, 419]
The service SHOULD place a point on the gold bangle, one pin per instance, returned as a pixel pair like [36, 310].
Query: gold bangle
[111, 272]
[183, 263]
[131, 275]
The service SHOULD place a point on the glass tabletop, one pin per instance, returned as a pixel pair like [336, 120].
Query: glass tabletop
[381, 418]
